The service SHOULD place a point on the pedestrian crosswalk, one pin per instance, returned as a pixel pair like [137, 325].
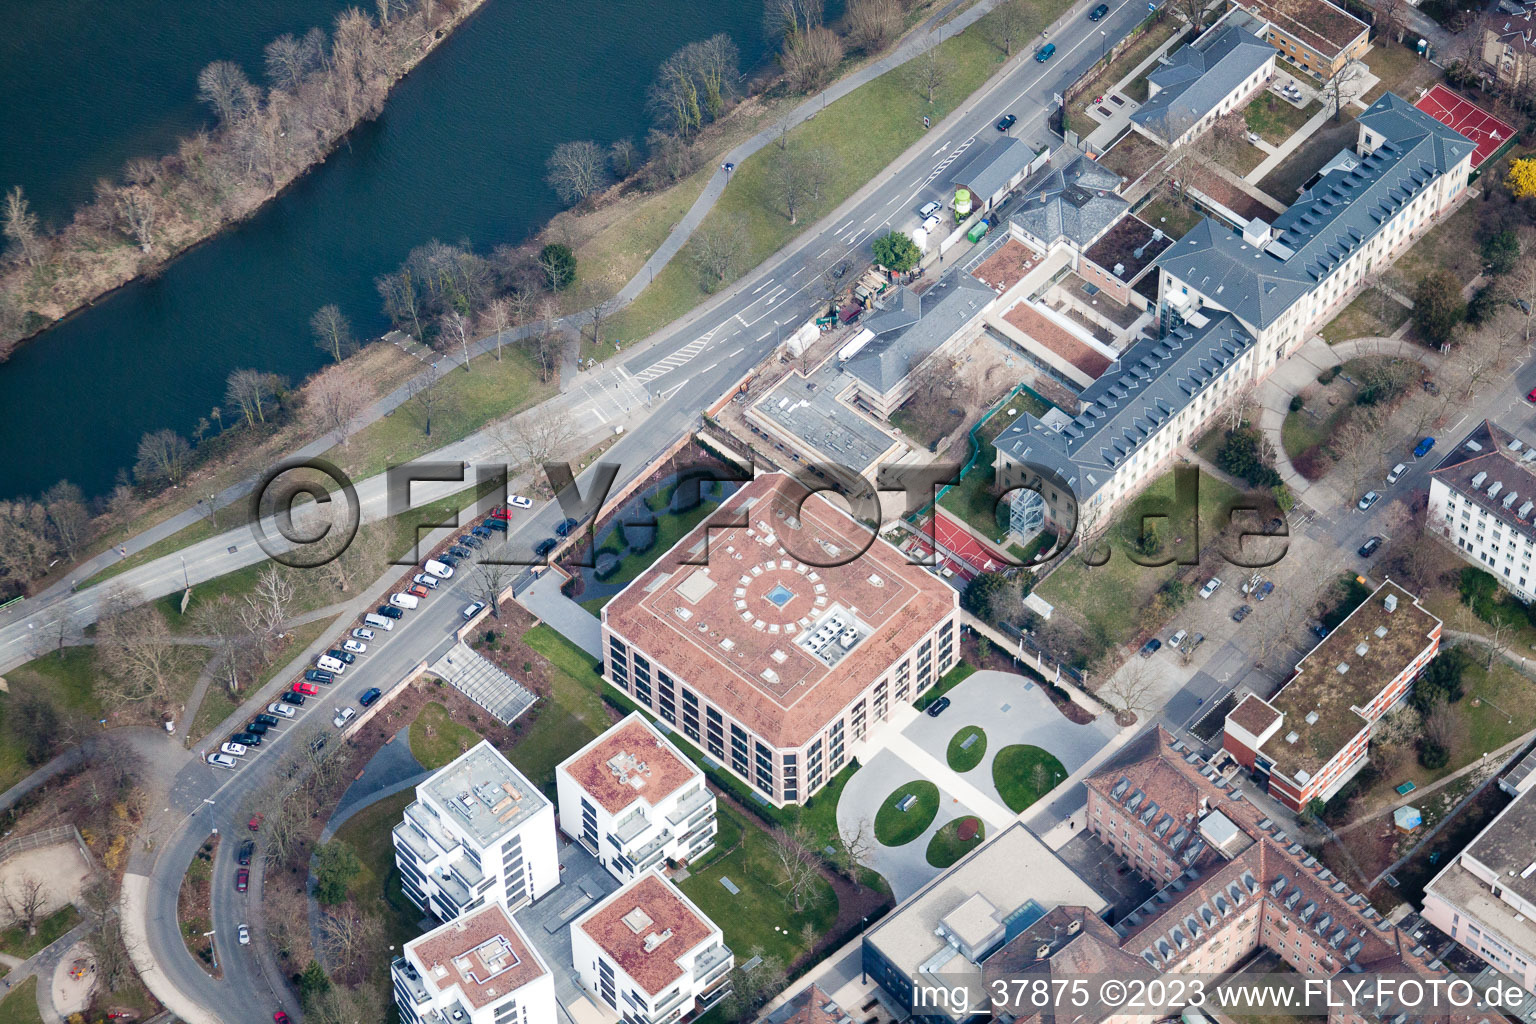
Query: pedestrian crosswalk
[608, 397]
[669, 363]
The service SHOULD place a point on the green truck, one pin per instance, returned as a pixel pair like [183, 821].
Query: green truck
[978, 232]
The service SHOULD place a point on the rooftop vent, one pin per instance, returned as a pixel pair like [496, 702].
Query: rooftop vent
[1390, 604]
[1311, 717]
[1343, 668]
[1292, 736]
[1362, 648]
[1477, 481]
[1381, 632]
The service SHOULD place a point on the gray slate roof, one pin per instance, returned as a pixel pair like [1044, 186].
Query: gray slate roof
[1342, 212]
[992, 167]
[1121, 410]
[1198, 77]
[1073, 197]
[913, 327]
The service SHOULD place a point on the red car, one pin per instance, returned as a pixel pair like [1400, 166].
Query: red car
[307, 688]
[417, 590]
[1532, 396]
[255, 822]
[279, 1017]
[242, 880]
[501, 512]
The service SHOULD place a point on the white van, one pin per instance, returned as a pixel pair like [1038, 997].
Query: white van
[378, 622]
[438, 569]
[407, 601]
[330, 664]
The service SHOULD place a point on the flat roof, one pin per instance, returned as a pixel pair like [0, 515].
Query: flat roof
[645, 928]
[1314, 23]
[483, 794]
[1390, 640]
[1254, 714]
[1120, 245]
[1508, 846]
[741, 612]
[629, 762]
[810, 410]
[482, 954]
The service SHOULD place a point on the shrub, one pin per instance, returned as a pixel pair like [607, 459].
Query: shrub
[1438, 306]
[1296, 403]
[1244, 454]
[1327, 376]
[1432, 755]
[559, 265]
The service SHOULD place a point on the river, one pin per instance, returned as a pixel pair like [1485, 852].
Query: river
[458, 154]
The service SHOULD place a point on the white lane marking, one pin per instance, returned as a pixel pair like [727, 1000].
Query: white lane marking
[742, 321]
[797, 273]
[739, 351]
[759, 338]
[824, 252]
[711, 366]
[760, 287]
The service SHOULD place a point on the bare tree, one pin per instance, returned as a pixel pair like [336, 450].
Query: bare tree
[57, 632]
[597, 302]
[1235, 413]
[453, 331]
[854, 845]
[928, 72]
[135, 650]
[1391, 19]
[69, 520]
[791, 17]
[252, 391]
[576, 170]
[874, 24]
[333, 401]
[810, 57]
[491, 579]
[1130, 689]
[623, 158]
[428, 396]
[21, 227]
[1193, 12]
[1358, 445]
[534, 438]
[25, 897]
[674, 97]
[136, 212]
[1010, 22]
[717, 249]
[546, 345]
[402, 300]
[796, 866]
[1499, 634]
[1342, 88]
[223, 86]
[1439, 724]
[348, 937]
[789, 182]
[163, 457]
[495, 320]
[332, 332]
[106, 938]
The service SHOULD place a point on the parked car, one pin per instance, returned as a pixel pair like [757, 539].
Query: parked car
[307, 688]
[545, 546]
[1194, 642]
[459, 553]
[1098, 12]
[242, 880]
[937, 707]
[370, 695]
[1008, 121]
[439, 569]
[318, 675]
[1369, 547]
[1263, 590]
[482, 531]
[389, 611]
[1211, 586]
[1177, 640]
[326, 663]
[1241, 613]
[472, 609]
[499, 525]
[1370, 498]
[296, 699]
[928, 209]
[246, 739]
[282, 710]
[500, 514]
[362, 634]
[343, 716]
[257, 728]
[1397, 472]
[247, 849]
[566, 526]
[1046, 52]
[354, 646]
[427, 580]
[244, 934]
[407, 601]
[378, 621]
[1422, 448]
[518, 501]
[1320, 631]
[417, 590]
[343, 656]
[449, 559]
[232, 749]
[1151, 647]
[1531, 395]
[280, 1018]
[469, 540]
[222, 761]
[271, 721]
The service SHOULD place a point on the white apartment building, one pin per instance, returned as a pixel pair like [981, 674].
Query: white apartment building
[477, 969]
[647, 953]
[1481, 499]
[1485, 898]
[634, 801]
[478, 833]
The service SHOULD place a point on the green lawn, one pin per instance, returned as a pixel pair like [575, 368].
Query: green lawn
[963, 759]
[1175, 219]
[20, 1007]
[862, 133]
[1023, 774]
[945, 847]
[894, 827]
[569, 721]
[67, 678]
[948, 681]
[1372, 314]
[760, 915]
[50, 929]
[437, 739]
[1276, 120]
[595, 604]
[1450, 246]
[376, 888]
[1113, 599]
[671, 527]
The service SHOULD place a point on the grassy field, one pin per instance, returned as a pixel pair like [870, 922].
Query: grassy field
[1112, 599]
[895, 827]
[376, 888]
[437, 739]
[671, 527]
[861, 133]
[1174, 218]
[962, 758]
[1240, 158]
[1452, 245]
[1363, 318]
[68, 679]
[759, 916]
[1275, 120]
[1400, 69]
[1024, 773]
[16, 942]
[20, 1007]
[945, 847]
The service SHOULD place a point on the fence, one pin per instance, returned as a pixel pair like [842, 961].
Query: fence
[46, 837]
[976, 445]
[1091, 76]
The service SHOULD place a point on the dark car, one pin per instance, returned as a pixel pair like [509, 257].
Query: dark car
[1007, 122]
[565, 527]
[1320, 631]
[1241, 613]
[370, 695]
[389, 611]
[345, 657]
[937, 707]
[1151, 647]
[257, 728]
[242, 880]
[452, 561]
[1098, 12]
[296, 699]
[1263, 590]
[319, 675]
[499, 525]
[317, 744]
[483, 530]
[1430, 386]
[545, 546]
[246, 849]
[1046, 52]
[469, 540]
[458, 552]
[246, 739]
[270, 721]
[1369, 547]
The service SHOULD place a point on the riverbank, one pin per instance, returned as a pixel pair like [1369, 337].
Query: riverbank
[323, 88]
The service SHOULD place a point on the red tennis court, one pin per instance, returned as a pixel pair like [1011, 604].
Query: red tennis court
[958, 542]
[1481, 127]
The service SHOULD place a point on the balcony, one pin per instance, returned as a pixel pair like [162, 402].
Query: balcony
[706, 967]
[695, 801]
[452, 891]
[407, 977]
[414, 844]
[632, 827]
[640, 853]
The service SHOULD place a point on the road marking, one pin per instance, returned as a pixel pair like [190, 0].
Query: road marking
[941, 149]
[742, 321]
[845, 227]
[711, 366]
[797, 273]
[871, 217]
[760, 287]
[739, 351]
[824, 252]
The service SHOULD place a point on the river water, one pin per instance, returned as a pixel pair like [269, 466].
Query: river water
[458, 155]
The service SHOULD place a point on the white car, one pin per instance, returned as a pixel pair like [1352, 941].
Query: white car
[1211, 586]
[472, 609]
[282, 710]
[222, 761]
[1371, 498]
[438, 569]
[355, 646]
[245, 935]
[330, 664]
[1397, 471]
[426, 580]
[343, 716]
[406, 601]
[928, 209]
[363, 634]
[233, 749]
[1177, 640]
[518, 501]
[931, 224]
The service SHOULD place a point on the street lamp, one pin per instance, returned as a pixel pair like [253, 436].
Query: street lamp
[212, 949]
[1104, 37]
